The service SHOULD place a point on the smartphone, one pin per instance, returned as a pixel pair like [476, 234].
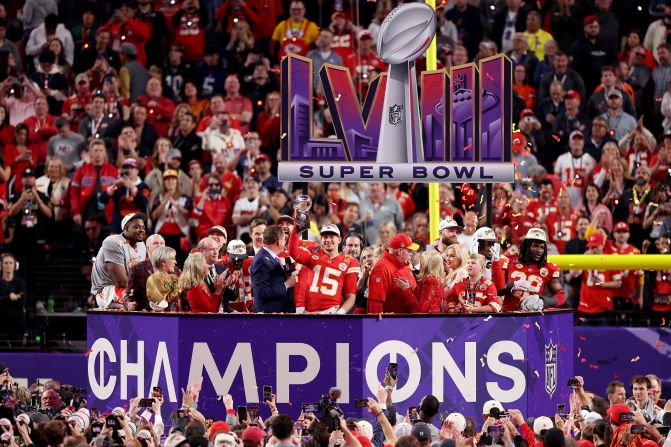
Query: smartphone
[95, 414]
[253, 413]
[392, 370]
[242, 413]
[412, 414]
[96, 428]
[573, 382]
[111, 421]
[561, 410]
[146, 403]
[311, 407]
[361, 403]
[156, 392]
[637, 429]
[267, 393]
[495, 429]
[626, 417]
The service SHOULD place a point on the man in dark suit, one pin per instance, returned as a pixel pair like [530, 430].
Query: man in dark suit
[271, 282]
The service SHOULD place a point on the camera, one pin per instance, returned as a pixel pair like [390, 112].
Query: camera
[573, 382]
[361, 403]
[329, 411]
[498, 414]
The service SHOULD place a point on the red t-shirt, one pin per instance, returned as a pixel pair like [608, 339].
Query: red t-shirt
[628, 289]
[662, 291]
[595, 299]
[561, 228]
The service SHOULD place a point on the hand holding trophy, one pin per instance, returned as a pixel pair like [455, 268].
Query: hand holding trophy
[302, 206]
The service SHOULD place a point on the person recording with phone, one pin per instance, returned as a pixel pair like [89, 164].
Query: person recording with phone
[129, 194]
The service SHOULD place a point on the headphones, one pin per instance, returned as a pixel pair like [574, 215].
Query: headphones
[9, 255]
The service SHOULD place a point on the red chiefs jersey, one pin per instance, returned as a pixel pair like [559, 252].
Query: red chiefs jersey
[407, 204]
[661, 301]
[540, 210]
[485, 294]
[190, 34]
[628, 289]
[635, 158]
[595, 299]
[500, 212]
[304, 278]
[520, 225]
[243, 301]
[331, 276]
[344, 44]
[561, 228]
[539, 277]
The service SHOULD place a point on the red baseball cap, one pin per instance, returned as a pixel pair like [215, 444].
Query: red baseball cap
[253, 435]
[596, 240]
[616, 411]
[218, 427]
[621, 226]
[261, 157]
[402, 240]
[589, 20]
[527, 112]
[572, 94]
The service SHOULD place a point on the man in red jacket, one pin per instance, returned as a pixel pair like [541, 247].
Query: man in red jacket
[125, 28]
[89, 182]
[383, 293]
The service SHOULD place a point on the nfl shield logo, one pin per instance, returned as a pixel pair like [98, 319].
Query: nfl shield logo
[551, 368]
[395, 114]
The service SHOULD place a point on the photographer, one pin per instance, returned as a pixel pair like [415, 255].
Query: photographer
[129, 194]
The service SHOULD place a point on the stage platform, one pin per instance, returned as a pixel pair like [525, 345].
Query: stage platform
[523, 360]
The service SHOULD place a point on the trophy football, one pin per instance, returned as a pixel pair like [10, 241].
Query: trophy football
[405, 34]
[302, 206]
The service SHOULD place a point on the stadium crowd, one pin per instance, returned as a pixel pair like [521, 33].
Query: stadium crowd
[54, 415]
[162, 118]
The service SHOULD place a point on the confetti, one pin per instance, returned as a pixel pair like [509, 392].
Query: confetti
[556, 138]
[449, 340]
[526, 325]
[379, 317]
[583, 360]
[468, 146]
[579, 352]
[489, 76]
[658, 344]
[440, 5]
[338, 97]
[593, 366]
[636, 359]
[415, 351]
[482, 362]
[658, 99]
[284, 135]
[275, 70]
[488, 318]
[582, 338]
[536, 374]
[538, 326]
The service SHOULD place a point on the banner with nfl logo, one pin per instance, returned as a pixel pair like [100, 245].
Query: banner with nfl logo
[522, 360]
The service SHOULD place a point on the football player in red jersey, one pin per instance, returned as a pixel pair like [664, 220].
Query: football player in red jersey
[486, 243]
[236, 254]
[333, 273]
[627, 292]
[526, 279]
[474, 293]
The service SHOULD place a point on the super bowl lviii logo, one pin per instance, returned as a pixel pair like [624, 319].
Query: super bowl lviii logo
[459, 130]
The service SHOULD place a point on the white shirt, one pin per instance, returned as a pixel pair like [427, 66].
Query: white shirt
[244, 207]
[38, 37]
[508, 31]
[573, 172]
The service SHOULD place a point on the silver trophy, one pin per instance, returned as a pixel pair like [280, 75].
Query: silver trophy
[405, 34]
[302, 206]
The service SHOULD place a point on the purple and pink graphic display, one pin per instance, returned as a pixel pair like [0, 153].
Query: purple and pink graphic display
[470, 107]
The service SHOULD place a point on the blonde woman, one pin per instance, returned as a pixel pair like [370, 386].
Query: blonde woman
[387, 231]
[456, 259]
[162, 286]
[428, 296]
[192, 280]
[56, 185]
[180, 111]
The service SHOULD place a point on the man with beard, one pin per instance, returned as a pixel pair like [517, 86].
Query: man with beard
[334, 274]
[448, 231]
[116, 256]
[526, 279]
[486, 243]
[353, 245]
[632, 205]
[235, 293]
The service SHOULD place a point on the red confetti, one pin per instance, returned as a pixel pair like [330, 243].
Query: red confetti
[88, 352]
[441, 4]
[583, 360]
[658, 344]
[275, 70]
[593, 366]
[658, 99]
[616, 376]
[468, 146]
[582, 338]
[489, 76]
[556, 138]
